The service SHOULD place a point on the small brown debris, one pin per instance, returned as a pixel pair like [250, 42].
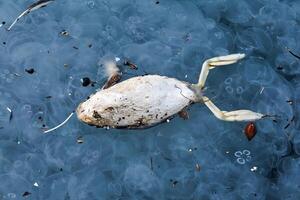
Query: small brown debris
[250, 130]
[130, 64]
[112, 81]
[184, 114]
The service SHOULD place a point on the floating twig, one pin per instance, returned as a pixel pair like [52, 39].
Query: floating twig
[130, 64]
[290, 51]
[66, 120]
[11, 113]
[261, 90]
[293, 118]
[32, 7]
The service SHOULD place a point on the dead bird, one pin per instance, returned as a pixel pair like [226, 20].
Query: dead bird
[32, 7]
[145, 101]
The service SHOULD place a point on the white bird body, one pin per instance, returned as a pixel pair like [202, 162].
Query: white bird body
[138, 102]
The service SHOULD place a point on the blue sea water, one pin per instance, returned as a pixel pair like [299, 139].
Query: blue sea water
[199, 158]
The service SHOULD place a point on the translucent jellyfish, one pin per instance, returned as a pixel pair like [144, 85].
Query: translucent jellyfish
[138, 177]
[241, 161]
[229, 89]
[228, 80]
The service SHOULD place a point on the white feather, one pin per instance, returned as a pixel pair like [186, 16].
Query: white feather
[111, 68]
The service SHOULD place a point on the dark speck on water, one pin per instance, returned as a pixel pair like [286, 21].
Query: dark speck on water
[30, 71]
[86, 81]
[25, 194]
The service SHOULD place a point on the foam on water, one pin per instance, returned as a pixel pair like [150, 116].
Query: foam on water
[199, 158]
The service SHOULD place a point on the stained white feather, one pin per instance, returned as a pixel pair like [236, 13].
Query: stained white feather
[110, 68]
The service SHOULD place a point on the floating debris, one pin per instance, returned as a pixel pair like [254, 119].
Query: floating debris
[66, 120]
[290, 51]
[261, 90]
[174, 182]
[198, 167]
[16, 74]
[64, 33]
[74, 47]
[90, 45]
[157, 2]
[130, 64]
[30, 71]
[280, 67]
[11, 113]
[250, 130]
[85, 81]
[36, 184]
[293, 118]
[32, 7]
[26, 194]
[253, 169]
[80, 140]
[2, 23]
[290, 102]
